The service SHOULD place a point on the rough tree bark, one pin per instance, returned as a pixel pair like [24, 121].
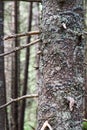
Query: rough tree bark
[62, 73]
[2, 77]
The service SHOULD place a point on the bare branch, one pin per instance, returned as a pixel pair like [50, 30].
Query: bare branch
[71, 101]
[18, 99]
[22, 35]
[85, 120]
[85, 32]
[20, 48]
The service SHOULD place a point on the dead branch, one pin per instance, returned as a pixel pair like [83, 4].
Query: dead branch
[85, 32]
[21, 35]
[18, 99]
[20, 48]
[46, 124]
[85, 120]
[28, 34]
[71, 101]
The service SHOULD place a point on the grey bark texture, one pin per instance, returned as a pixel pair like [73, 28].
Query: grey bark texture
[62, 73]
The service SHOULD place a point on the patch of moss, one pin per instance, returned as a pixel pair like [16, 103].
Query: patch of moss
[84, 125]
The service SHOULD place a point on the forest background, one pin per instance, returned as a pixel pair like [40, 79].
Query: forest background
[21, 68]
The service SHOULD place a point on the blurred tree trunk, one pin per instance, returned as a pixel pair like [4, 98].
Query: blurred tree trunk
[62, 73]
[2, 77]
[15, 69]
[37, 46]
[26, 72]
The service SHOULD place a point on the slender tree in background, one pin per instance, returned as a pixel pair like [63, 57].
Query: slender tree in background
[26, 73]
[15, 70]
[62, 74]
[37, 46]
[2, 77]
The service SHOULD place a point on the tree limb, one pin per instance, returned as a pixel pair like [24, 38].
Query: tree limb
[22, 35]
[85, 120]
[19, 48]
[18, 99]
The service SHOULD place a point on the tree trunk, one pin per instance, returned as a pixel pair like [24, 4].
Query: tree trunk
[2, 77]
[15, 70]
[62, 73]
[26, 73]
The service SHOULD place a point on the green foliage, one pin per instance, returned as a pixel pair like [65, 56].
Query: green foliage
[84, 125]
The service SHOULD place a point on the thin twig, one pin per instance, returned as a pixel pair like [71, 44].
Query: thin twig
[18, 99]
[46, 124]
[19, 48]
[30, 33]
[22, 35]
